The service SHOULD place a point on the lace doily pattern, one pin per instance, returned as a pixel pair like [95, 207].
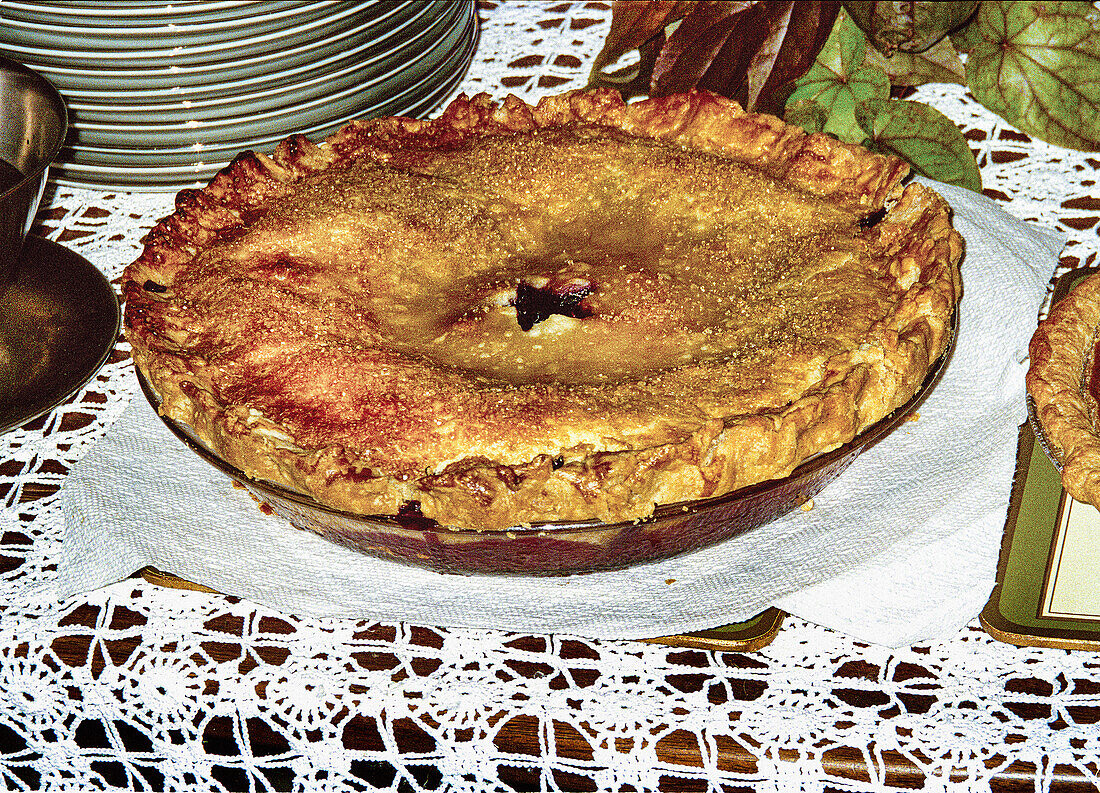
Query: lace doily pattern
[142, 687]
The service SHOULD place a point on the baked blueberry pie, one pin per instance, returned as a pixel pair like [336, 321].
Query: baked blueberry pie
[512, 314]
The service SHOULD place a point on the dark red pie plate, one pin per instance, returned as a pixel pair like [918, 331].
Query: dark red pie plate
[566, 547]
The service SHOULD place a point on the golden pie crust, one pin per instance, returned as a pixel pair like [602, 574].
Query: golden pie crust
[711, 298]
[1062, 382]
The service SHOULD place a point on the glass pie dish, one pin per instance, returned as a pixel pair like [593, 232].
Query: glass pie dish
[561, 547]
[1040, 433]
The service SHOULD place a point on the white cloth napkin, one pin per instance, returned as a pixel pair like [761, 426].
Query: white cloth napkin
[901, 549]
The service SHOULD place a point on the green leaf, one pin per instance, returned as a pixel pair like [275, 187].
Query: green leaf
[927, 139]
[908, 27]
[839, 80]
[938, 64]
[845, 48]
[1037, 65]
[807, 114]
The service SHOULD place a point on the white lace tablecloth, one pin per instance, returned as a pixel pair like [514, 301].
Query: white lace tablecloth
[139, 686]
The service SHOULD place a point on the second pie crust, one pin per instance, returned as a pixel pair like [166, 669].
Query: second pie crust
[1061, 357]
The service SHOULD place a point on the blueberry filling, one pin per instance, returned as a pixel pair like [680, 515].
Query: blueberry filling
[153, 286]
[870, 221]
[534, 304]
[410, 509]
[410, 516]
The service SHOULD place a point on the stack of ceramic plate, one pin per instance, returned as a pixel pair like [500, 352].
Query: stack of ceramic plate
[164, 94]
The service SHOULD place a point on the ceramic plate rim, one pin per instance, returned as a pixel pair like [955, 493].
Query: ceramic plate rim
[145, 55]
[347, 71]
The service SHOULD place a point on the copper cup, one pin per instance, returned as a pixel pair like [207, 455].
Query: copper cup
[33, 123]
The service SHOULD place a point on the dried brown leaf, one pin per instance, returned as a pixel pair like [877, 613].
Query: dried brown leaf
[635, 26]
[789, 53]
[749, 50]
[701, 37]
